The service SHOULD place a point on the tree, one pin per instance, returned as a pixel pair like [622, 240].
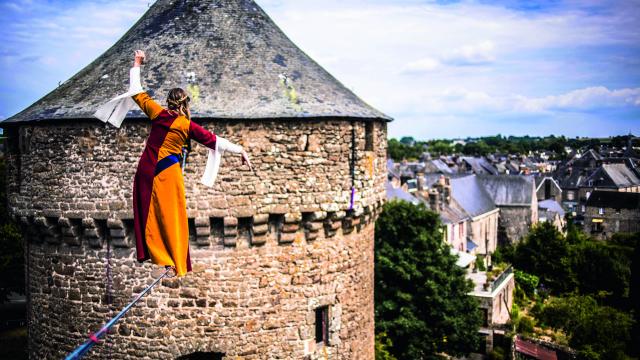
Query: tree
[603, 268]
[11, 251]
[421, 299]
[383, 343]
[600, 331]
[545, 252]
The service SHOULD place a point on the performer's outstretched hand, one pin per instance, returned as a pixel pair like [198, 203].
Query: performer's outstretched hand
[138, 58]
[245, 159]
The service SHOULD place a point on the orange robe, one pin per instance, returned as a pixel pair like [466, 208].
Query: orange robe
[160, 211]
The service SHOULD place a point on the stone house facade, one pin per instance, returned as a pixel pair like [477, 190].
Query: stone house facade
[609, 212]
[516, 197]
[273, 251]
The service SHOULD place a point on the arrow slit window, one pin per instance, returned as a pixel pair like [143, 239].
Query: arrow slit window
[322, 325]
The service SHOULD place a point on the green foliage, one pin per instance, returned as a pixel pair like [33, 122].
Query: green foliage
[596, 278]
[483, 146]
[597, 330]
[498, 353]
[573, 263]
[13, 344]
[526, 325]
[383, 344]
[399, 151]
[546, 253]
[504, 254]
[480, 263]
[11, 247]
[421, 299]
[528, 282]
[601, 268]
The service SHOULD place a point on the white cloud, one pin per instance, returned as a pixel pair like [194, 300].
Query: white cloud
[460, 101]
[590, 98]
[477, 54]
[422, 65]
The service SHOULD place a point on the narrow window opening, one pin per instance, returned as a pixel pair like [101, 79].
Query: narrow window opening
[322, 325]
[276, 222]
[368, 136]
[192, 230]
[217, 230]
[245, 229]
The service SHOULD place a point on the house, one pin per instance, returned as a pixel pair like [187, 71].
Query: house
[572, 174]
[518, 203]
[612, 177]
[398, 193]
[609, 212]
[453, 217]
[476, 165]
[548, 188]
[550, 210]
[494, 291]
[469, 193]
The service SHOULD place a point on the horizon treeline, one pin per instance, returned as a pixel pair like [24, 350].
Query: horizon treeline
[409, 148]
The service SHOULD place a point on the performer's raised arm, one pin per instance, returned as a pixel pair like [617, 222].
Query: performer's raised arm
[214, 142]
[149, 106]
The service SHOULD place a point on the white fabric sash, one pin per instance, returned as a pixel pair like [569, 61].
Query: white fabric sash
[115, 110]
[215, 157]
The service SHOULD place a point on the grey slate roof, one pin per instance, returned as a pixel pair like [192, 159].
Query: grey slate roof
[479, 165]
[620, 175]
[399, 194]
[228, 53]
[551, 205]
[614, 200]
[452, 213]
[509, 190]
[471, 195]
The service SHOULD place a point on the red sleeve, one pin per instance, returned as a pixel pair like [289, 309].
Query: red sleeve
[202, 135]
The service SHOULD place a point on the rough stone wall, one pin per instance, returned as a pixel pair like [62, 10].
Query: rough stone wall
[613, 221]
[516, 222]
[267, 248]
[86, 170]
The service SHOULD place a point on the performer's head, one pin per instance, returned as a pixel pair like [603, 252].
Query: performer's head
[178, 100]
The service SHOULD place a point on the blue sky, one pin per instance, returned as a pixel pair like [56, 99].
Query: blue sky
[440, 68]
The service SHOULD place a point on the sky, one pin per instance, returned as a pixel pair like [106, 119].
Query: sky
[441, 69]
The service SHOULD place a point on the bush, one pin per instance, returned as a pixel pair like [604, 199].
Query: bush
[526, 325]
[592, 328]
[480, 263]
[528, 282]
[497, 353]
[383, 344]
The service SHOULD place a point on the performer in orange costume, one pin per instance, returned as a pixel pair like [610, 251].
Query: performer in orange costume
[160, 215]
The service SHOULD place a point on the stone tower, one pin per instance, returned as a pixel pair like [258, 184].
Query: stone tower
[283, 265]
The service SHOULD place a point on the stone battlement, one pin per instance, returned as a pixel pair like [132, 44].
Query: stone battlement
[213, 232]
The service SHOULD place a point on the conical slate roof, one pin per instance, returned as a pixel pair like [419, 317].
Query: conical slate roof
[229, 54]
